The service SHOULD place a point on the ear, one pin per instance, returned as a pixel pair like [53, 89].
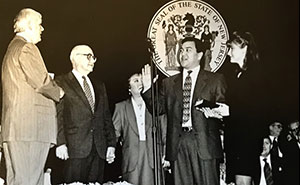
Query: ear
[200, 54]
[29, 25]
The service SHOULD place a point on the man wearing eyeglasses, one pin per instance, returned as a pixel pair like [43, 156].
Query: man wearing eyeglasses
[86, 137]
[291, 154]
[275, 129]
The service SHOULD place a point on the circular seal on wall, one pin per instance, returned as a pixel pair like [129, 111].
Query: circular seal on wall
[187, 18]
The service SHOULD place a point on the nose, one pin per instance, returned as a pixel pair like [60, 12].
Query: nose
[229, 52]
[41, 28]
[93, 60]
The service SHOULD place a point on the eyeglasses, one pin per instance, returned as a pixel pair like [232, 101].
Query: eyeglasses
[89, 56]
[295, 129]
[278, 126]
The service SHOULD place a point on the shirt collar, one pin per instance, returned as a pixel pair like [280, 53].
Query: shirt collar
[23, 35]
[268, 158]
[195, 70]
[78, 75]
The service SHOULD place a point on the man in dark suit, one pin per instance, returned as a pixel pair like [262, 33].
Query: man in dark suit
[291, 150]
[28, 109]
[86, 136]
[193, 141]
[268, 167]
[275, 129]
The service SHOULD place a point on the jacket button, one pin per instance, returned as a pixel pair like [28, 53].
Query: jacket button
[92, 130]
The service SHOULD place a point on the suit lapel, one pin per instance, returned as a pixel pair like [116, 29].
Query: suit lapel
[97, 93]
[178, 90]
[200, 84]
[74, 84]
[148, 120]
[131, 116]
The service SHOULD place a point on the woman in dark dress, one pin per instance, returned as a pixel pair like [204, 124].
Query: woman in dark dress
[246, 123]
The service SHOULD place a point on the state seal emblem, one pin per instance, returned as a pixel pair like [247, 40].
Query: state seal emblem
[187, 18]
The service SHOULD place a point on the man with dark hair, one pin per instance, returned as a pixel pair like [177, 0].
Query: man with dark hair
[193, 140]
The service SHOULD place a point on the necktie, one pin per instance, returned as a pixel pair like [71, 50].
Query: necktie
[88, 93]
[186, 97]
[274, 149]
[268, 173]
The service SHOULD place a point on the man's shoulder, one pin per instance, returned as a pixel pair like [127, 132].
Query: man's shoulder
[172, 78]
[62, 77]
[17, 43]
[97, 83]
[213, 75]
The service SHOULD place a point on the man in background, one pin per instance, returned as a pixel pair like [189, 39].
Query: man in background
[291, 150]
[28, 106]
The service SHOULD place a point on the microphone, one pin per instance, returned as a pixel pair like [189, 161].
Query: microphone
[149, 45]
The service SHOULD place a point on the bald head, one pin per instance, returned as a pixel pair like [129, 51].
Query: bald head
[82, 59]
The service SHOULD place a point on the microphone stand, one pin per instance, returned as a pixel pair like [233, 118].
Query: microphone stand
[156, 131]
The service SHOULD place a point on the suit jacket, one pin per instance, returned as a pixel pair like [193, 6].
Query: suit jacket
[125, 124]
[209, 86]
[291, 153]
[28, 110]
[78, 127]
[276, 171]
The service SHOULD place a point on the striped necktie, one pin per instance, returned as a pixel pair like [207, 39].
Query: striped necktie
[88, 93]
[268, 173]
[187, 86]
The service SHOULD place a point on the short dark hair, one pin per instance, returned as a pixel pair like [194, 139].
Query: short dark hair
[198, 44]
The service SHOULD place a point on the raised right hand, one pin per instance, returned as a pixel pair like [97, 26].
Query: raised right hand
[146, 77]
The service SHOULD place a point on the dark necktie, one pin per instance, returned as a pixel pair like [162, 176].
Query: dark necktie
[275, 149]
[88, 93]
[268, 173]
[186, 97]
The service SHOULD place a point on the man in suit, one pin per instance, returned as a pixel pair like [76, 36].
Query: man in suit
[133, 126]
[193, 142]
[275, 129]
[86, 137]
[268, 167]
[28, 111]
[291, 150]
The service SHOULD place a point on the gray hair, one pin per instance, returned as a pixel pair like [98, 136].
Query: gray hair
[23, 18]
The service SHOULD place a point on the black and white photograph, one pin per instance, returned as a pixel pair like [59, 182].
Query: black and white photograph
[157, 92]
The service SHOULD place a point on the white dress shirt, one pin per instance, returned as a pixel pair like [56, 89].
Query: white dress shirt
[140, 119]
[194, 75]
[79, 78]
[262, 164]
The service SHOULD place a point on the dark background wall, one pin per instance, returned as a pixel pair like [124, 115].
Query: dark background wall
[116, 31]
